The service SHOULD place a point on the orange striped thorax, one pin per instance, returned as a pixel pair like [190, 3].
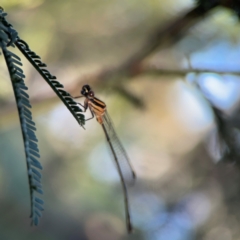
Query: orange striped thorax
[97, 106]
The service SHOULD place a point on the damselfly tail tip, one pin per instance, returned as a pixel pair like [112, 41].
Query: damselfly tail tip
[129, 228]
[134, 175]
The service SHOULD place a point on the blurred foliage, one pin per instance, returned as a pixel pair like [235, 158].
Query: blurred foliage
[8, 4]
[207, 4]
[174, 142]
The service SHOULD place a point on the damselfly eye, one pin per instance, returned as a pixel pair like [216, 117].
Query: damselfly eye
[85, 90]
[86, 87]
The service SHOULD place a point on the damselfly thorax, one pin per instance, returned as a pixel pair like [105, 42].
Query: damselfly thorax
[97, 107]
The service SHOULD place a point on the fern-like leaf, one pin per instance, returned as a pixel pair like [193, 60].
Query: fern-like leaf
[35, 60]
[9, 37]
[57, 87]
[7, 28]
[28, 130]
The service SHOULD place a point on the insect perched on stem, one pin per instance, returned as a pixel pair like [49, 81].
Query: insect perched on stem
[124, 168]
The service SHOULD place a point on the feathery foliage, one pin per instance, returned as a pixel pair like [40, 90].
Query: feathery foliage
[9, 37]
[57, 87]
[27, 125]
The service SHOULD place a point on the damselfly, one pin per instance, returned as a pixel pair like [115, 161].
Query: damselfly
[124, 168]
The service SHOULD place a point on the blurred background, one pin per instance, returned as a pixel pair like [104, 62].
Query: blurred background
[162, 68]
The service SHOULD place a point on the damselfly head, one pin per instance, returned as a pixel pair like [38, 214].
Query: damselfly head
[85, 90]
